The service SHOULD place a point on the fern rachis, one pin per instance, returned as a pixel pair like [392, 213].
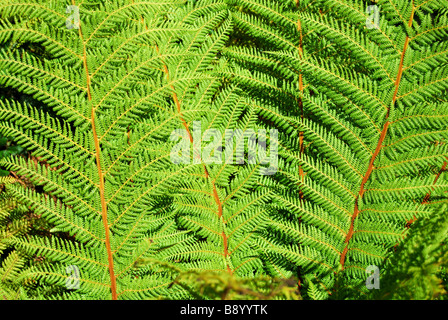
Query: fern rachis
[361, 115]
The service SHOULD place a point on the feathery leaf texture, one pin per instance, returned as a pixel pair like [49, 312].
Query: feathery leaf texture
[361, 115]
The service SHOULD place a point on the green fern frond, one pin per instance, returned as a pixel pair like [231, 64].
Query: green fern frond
[114, 110]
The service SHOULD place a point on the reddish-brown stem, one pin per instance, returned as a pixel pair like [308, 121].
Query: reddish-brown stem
[428, 195]
[361, 192]
[301, 145]
[377, 150]
[301, 173]
[207, 175]
[113, 282]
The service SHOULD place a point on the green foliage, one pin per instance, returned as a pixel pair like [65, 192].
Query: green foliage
[222, 285]
[361, 115]
[416, 270]
[364, 115]
[6, 150]
[13, 224]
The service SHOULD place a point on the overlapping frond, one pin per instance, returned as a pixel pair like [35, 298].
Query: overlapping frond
[373, 125]
[147, 126]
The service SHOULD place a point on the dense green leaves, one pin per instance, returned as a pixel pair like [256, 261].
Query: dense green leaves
[350, 122]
